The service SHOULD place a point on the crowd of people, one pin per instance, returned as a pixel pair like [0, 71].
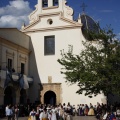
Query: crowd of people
[63, 111]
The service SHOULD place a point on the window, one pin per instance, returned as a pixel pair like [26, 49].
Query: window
[49, 45]
[44, 3]
[9, 65]
[55, 2]
[22, 68]
[49, 21]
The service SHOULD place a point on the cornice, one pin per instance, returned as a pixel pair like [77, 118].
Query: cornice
[52, 7]
[14, 46]
[51, 83]
[54, 28]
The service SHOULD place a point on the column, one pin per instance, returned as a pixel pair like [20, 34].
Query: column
[50, 3]
[17, 96]
[1, 96]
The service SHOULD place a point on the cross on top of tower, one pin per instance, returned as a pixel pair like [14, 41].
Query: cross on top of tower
[83, 6]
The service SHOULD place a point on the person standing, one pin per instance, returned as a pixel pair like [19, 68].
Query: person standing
[16, 112]
[33, 114]
[53, 117]
[61, 113]
[37, 113]
[6, 109]
[9, 113]
[44, 115]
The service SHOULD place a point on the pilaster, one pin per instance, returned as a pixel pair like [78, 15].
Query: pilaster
[40, 6]
[50, 3]
[1, 96]
[18, 96]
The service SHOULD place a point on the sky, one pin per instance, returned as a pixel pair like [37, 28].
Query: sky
[13, 13]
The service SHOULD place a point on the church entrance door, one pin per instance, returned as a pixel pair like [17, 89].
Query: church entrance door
[10, 96]
[50, 98]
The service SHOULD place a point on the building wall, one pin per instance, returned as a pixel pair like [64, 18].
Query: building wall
[10, 49]
[0, 54]
[48, 65]
[17, 54]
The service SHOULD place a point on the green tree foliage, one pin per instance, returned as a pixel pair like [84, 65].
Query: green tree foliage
[97, 68]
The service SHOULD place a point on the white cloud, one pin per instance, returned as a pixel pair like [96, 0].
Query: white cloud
[15, 14]
[118, 35]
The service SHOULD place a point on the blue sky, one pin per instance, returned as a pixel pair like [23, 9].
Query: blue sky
[13, 13]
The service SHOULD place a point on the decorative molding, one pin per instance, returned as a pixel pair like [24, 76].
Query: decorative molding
[49, 79]
[9, 54]
[55, 87]
[52, 7]
[22, 58]
[54, 28]
[32, 17]
[73, 23]
[69, 10]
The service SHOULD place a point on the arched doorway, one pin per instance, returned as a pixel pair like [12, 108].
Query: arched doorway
[50, 98]
[10, 96]
[23, 96]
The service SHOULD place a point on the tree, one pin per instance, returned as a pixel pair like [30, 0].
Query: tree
[97, 68]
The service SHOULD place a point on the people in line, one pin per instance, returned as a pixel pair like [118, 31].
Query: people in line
[63, 111]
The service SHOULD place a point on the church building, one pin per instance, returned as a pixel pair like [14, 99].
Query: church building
[52, 31]
[33, 53]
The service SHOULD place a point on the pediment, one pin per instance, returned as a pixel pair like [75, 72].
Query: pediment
[50, 21]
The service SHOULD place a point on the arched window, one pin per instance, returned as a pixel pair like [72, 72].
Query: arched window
[55, 2]
[44, 3]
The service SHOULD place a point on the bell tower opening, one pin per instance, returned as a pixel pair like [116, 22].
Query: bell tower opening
[55, 2]
[44, 3]
[50, 98]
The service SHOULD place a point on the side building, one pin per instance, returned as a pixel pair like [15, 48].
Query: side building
[14, 61]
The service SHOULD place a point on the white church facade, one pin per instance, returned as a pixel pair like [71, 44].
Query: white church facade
[51, 31]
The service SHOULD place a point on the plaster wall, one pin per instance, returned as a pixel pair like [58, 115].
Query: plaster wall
[9, 52]
[47, 65]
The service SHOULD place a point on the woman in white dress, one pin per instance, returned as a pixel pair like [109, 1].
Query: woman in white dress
[44, 115]
[53, 117]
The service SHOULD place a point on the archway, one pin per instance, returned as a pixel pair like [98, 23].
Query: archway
[50, 98]
[23, 96]
[10, 96]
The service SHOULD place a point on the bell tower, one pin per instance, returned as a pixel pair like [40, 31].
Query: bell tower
[45, 7]
[49, 3]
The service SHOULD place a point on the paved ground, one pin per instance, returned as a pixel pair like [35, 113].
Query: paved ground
[74, 118]
[84, 118]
